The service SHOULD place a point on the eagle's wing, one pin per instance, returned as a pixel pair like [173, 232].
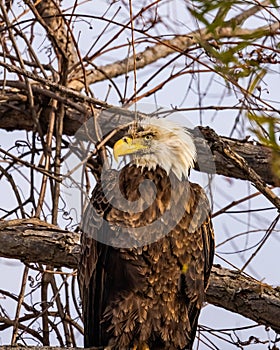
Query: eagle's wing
[201, 248]
[103, 269]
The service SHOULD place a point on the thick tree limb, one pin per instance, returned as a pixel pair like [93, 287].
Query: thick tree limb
[246, 296]
[32, 240]
[35, 241]
[12, 118]
[257, 156]
[237, 160]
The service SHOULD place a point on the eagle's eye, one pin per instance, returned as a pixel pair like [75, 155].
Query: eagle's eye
[148, 137]
[125, 139]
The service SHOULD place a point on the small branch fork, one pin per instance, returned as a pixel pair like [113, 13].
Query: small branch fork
[223, 147]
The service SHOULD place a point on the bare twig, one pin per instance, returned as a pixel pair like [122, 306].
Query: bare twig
[164, 48]
[46, 277]
[19, 305]
[250, 173]
[47, 155]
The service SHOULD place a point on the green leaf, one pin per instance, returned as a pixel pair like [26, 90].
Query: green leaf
[255, 82]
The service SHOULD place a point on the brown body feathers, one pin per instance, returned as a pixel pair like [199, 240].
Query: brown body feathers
[144, 269]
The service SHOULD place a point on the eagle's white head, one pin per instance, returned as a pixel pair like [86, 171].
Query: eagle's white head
[158, 142]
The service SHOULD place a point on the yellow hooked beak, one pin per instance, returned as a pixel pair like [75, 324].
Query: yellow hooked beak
[126, 146]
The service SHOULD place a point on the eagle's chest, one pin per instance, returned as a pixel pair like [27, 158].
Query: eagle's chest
[164, 263]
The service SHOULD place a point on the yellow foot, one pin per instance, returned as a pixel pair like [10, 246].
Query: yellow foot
[142, 346]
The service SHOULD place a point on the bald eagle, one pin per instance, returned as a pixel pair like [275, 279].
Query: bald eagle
[147, 244]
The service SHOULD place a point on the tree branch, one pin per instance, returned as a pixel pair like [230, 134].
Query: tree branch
[49, 15]
[245, 296]
[31, 240]
[257, 156]
[224, 148]
[180, 43]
